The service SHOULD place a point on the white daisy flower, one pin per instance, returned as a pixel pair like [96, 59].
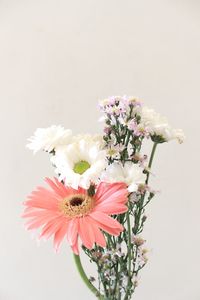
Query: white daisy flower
[48, 139]
[130, 173]
[159, 126]
[80, 163]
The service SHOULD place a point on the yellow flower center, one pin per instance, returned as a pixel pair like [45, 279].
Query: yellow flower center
[112, 152]
[77, 205]
[81, 166]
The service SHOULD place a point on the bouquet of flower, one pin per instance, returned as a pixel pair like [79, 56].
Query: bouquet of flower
[98, 199]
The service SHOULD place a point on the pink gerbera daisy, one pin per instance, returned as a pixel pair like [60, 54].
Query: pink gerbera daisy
[65, 212]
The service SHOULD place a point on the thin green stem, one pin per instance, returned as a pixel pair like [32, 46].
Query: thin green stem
[116, 280]
[139, 213]
[151, 160]
[85, 278]
[129, 243]
[129, 254]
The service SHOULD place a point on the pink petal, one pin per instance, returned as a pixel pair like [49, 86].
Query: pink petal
[99, 237]
[111, 198]
[59, 236]
[111, 231]
[75, 247]
[107, 223]
[90, 233]
[38, 222]
[57, 187]
[107, 191]
[105, 219]
[111, 209]
[45, 193]
[31, 212]
[72, 231]
[51, 227]
[43, 205]
[101, 189]
[66, 190]
[86, 233]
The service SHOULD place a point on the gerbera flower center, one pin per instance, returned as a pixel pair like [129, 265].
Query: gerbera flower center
[76, 201]
[77, 205]
[81, 166]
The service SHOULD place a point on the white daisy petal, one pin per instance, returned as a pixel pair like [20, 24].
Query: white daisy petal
[48, 139]
[130, 173]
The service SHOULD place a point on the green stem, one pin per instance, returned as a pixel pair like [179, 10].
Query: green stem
[129, 243]
[85, 278]
[151, 160]
[129, 254]
[138, 216]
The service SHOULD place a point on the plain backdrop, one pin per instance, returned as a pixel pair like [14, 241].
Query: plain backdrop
[57, 59]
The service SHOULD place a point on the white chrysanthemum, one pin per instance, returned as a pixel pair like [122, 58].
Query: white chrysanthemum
[159, 126]
[50, 138]
[130, 173]
[80, 163]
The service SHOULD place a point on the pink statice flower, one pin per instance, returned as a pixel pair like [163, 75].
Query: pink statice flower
[113, 100]
[107, 130]
[116, 104]
[115, 110]
[138, 129]
[134, 101]
[140, 159]
[132, 125]
[63, 212]
[137, 240]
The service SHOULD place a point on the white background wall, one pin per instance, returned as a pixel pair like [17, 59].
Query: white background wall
[57, 58]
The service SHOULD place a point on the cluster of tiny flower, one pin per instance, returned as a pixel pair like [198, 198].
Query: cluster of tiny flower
[143, 189]
[129, 114]
[107, 262]
[140, 259]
